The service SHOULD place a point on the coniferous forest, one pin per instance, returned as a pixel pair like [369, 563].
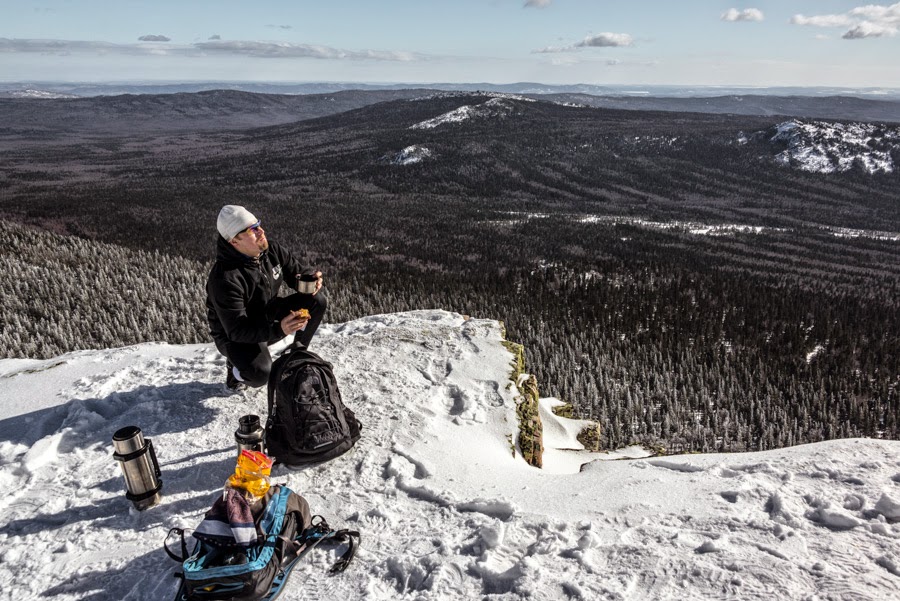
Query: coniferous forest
[669, 282]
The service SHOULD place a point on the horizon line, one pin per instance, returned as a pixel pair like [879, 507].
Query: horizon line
[426, 84]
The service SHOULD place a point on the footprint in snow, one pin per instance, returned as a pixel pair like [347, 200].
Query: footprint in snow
[490, 393]
[676, 466]
[731, 496]
[423, 470]
[463, 407]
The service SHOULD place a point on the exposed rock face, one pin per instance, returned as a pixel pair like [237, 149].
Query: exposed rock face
[590, 437]
[531, 430]
[567, 411]
[530, 439]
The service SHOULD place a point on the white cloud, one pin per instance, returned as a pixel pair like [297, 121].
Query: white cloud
[884, 15]
[869, 21]
[289, 50]
[823, 20]
[536, 3]
[154, 38]
[213, 46]
[554, 49]
[215, 37]
[869, 30]
[67, 46]
[605, 40]
[601, 40]
[748, 14]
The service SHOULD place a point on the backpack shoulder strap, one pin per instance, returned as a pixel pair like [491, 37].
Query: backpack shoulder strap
[318, 533]
[352, 537]
[275, 375]
[184, 550]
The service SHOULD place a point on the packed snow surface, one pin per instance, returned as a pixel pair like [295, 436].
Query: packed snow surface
[446, 507]
[827, 147]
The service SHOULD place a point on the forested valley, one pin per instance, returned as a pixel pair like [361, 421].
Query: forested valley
[674, 285]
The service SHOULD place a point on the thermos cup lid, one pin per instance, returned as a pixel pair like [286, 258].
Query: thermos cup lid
[126, 433]
[127, 440]
[247, 424]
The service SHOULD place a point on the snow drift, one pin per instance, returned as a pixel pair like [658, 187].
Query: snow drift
[446, 507]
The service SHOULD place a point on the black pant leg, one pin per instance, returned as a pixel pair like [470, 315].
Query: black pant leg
[252, 361]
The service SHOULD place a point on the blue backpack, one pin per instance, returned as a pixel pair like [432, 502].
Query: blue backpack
[258, 572]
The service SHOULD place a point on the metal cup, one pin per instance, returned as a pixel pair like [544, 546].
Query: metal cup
[306, 283]
[143, 480]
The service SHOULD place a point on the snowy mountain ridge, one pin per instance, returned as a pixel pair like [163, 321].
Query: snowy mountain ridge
[498, 106]
[446, 505]
[828, 147]
[33, 93]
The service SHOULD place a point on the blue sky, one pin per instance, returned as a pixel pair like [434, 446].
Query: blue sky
[676, 42]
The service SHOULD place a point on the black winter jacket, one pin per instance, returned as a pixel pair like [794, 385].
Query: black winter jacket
[240, 291]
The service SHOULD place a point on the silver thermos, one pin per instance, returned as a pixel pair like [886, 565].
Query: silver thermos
[143, 479]
[249, 436]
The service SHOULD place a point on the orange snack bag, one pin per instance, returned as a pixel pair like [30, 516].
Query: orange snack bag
[252, 473]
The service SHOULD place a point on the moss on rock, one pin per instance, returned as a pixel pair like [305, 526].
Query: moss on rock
[566, 410]
[518, 364]
[590, 437]
[531, 432]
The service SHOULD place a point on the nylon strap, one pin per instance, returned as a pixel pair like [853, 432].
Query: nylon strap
[184, 550]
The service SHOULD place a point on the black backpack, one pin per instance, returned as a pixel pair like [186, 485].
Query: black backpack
[308, 422]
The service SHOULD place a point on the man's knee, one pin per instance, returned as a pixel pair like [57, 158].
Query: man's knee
[321, 301]
[255, 372]
[257, 380]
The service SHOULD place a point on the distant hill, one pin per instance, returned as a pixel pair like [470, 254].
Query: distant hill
[522, 87]
[200, 111]
[215, 110]
[822, 107]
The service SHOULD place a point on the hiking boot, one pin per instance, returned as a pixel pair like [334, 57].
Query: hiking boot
[231, 382]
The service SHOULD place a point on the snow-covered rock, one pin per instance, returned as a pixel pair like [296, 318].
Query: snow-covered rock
[498, 107]
[447, 507]
[410, 155]
[828, 147]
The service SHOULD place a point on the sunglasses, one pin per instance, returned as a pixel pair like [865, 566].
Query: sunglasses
[253, 228]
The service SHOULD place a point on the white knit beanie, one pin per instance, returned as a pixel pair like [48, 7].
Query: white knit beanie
[233, 220]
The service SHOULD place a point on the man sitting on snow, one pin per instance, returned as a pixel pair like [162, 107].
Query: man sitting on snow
[244, 310]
